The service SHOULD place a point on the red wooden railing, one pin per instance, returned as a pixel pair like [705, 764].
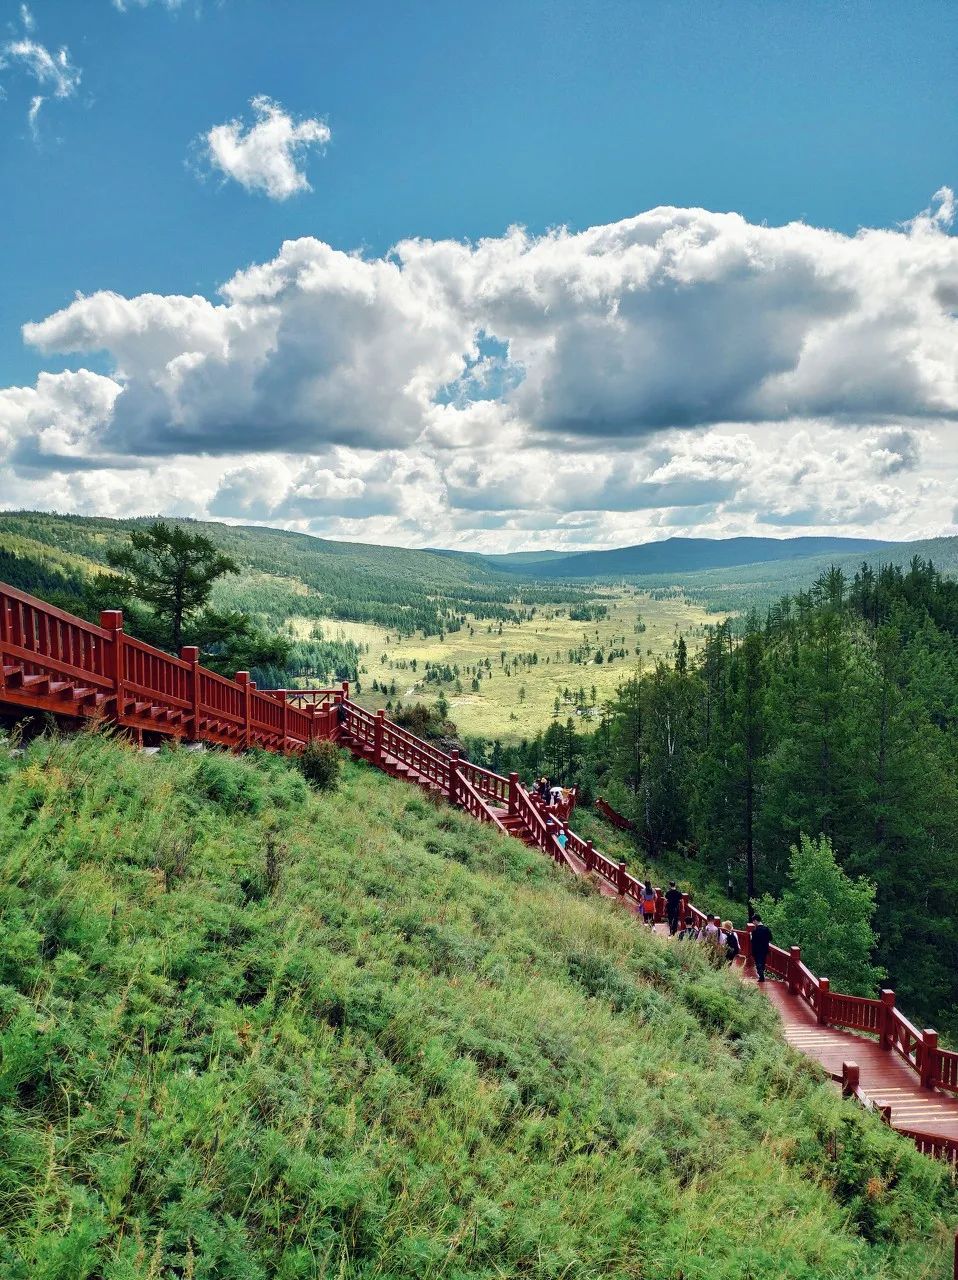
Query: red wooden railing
[54, 662]
[613, 816]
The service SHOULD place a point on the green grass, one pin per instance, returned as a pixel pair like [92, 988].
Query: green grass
[251, 1031]
[519, 705]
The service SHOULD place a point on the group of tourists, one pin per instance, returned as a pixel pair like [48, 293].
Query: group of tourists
[718, 933]
[551, 795]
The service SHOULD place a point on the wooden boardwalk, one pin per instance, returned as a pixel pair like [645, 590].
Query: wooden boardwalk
[884, 1079]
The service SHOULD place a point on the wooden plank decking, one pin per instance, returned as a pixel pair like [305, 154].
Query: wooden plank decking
[885, 1081]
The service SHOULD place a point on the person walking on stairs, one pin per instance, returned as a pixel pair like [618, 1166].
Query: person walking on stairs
[761, 941]
[673, 904]
[732, 946]
[648, 904]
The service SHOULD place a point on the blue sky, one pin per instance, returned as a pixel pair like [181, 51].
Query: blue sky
[452, 122]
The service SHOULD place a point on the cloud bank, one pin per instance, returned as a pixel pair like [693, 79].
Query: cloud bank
[680, 370]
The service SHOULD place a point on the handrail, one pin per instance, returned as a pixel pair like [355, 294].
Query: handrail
[613, 816]
[491, 785]
[53, 661]
[474, 804]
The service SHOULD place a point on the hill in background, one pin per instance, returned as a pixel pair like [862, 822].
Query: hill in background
[404, 590]
[249, 1031]
[684, 555]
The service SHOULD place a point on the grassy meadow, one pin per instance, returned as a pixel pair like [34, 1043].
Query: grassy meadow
[517, 698]
[253, 1032]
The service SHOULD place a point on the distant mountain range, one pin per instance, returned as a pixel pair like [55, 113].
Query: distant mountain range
[675, 555]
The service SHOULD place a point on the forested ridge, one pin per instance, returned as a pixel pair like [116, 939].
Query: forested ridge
[835, 715]
[285, 572]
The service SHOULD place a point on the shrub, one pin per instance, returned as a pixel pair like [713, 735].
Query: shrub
[320, 765]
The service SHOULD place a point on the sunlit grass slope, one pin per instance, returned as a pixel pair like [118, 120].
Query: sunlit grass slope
[251, 1032]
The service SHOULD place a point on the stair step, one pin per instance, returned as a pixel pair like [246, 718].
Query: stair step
[80, 694]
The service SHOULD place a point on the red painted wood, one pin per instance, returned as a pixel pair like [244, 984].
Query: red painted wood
[885, 1080]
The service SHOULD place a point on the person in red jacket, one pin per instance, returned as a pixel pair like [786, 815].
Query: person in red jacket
[648, 904]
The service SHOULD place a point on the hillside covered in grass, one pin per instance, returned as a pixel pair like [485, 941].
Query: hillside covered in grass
[251, 1031]
[281, 573]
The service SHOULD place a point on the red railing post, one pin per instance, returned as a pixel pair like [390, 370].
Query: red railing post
[824, 1000]
[886, 1018]
[284, 721]
[589, 855]
[378, 738]
[794, 960]
[513, 794]
[4, 637]
[683, 911]
[112, 620]
[191, 654]
[928, 1059]
[453, 776]
[622, 879]
[346, 689]
[310, 710]
[850, 1079]
[243, 680]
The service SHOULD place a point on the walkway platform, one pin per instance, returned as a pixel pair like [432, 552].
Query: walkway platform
[884, 1080]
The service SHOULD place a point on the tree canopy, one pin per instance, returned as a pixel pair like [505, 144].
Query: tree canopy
[172, 571]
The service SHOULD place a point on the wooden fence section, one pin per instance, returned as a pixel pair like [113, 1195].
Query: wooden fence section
[613, 816]
[51, 661]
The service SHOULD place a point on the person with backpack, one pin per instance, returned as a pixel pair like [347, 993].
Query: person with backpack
[648, 904]
[673, 905]
[732, 946]
[761, 941]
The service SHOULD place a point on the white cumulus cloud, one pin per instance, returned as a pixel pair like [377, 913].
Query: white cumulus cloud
[266, 156]
[677, 371]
